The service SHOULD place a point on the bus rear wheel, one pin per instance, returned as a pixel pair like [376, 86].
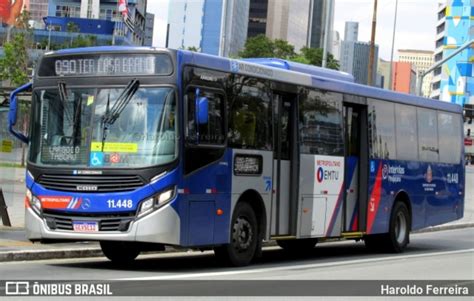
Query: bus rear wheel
[243, 238]
[298, 245]
[398, 237]
[120, 252]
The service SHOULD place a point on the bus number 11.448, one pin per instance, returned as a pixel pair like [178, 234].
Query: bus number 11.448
[119, 203]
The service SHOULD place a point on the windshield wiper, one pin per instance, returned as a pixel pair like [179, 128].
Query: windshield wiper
[63, 98]
[111, 115]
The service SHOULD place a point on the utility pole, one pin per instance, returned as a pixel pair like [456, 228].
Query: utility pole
[390, 75]
[372, 46]
[326, 33]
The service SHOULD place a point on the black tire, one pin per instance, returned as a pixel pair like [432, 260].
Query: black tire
[398, 237]
[120, 252]
[244, 236]
[298, 245]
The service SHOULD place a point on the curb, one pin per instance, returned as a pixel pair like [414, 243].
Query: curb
[31, 255]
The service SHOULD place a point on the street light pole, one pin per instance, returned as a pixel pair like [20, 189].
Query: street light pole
[421, 76]
[326, 33]
[49, 36]
[372, 46]
[390, 75]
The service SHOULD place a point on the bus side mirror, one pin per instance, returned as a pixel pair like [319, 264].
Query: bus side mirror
[202, 110]
[12, 114]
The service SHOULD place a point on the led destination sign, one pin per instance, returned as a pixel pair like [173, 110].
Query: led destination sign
[106, 64]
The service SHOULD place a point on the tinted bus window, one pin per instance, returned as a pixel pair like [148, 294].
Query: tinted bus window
[381, 129]
[449, 131]
[250, 114]
[320, 123]
[427, 135]
[213, 131]
[407, 136]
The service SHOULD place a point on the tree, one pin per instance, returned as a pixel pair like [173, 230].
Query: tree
[14, 63]
[258, 46]
[72, 27]
[193, 48]
[314, 56]
[283, 50]
[261, 46]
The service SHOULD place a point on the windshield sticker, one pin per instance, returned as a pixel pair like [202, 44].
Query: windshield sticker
[97, 159]
[113, 158]
[64, 153]
[114, 147]
[90, 100]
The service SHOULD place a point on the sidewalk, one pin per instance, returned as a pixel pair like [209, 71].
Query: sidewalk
[15, 247]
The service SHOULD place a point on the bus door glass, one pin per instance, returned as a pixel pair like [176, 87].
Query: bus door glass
[352, 153]
[283, 216]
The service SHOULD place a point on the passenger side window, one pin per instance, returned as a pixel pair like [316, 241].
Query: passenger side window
[407, 136]
[250, 114]
[203, 139]
[427, 135]
[449, 128]
[381, 117]
[212, 132]
[320, 123]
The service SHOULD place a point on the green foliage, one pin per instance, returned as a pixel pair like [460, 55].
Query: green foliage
[83, 41]
[315, 57]
[261, 46]
[283, 49]
[193, 48]
[14, 64]
[72, 27]
[258, 46]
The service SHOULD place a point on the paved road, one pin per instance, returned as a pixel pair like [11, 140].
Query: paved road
[440, 255]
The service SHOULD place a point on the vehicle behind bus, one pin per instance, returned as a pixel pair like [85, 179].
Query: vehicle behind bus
[139, 148]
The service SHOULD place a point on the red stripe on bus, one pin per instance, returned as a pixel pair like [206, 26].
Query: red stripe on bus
[374, 200]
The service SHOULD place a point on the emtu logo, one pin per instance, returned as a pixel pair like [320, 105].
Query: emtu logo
[320, 174]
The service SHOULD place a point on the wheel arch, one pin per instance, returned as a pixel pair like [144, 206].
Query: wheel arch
[402, 196]
[255, 200]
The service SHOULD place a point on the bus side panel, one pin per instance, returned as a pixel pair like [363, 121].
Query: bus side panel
[204, 192]
[262, 183]
[433, 191]
[321, 196]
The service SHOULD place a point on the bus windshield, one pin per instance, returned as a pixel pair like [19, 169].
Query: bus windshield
[72, 127]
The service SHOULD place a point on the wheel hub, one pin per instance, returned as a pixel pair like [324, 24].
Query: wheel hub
[242, 235]
[400, 227]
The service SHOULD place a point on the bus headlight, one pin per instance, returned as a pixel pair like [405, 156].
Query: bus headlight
[33, 202]
[156, 201]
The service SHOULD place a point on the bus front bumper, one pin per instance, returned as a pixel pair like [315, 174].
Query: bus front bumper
[161, 226]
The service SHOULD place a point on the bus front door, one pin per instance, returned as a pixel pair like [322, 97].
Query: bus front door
[285, 166]
[356, 163]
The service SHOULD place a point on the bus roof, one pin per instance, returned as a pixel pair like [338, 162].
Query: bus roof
[101, 49]
[302, 68]
[284, 71]
[310, 76]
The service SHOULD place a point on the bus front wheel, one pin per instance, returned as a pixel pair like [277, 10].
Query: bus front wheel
[120, 252]
[243, 238]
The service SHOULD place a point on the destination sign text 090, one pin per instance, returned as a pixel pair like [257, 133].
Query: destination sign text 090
[106, 64]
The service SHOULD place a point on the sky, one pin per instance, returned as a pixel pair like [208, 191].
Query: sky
[416, 22]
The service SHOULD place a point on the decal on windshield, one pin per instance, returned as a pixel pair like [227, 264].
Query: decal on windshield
[114, 147]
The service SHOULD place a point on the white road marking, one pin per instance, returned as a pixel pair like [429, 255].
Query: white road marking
[295, 267]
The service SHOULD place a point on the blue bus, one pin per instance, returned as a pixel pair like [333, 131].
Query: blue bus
[140, 148]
